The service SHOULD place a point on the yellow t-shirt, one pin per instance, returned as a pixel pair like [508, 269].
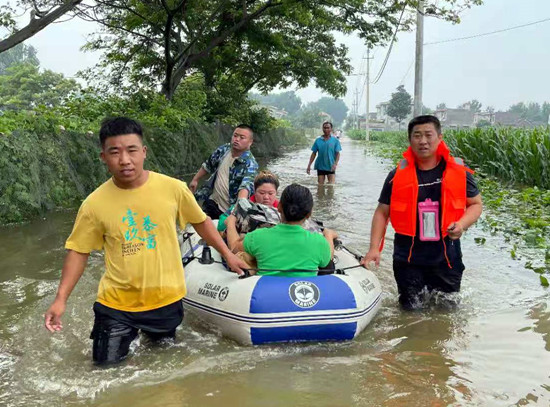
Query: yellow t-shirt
[137, 230]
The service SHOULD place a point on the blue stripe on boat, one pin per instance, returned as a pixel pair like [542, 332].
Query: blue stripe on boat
[271, 294]
[304, 317]
[325, 332]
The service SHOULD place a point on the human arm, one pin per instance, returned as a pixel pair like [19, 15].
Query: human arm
[336, 159]
[330, 235]
[311, 159]
[73, 268]
[208, 232]
[377, 232]
[243, 193]
[472, 213]
[246, 187]
[234, 240]
[195, 181]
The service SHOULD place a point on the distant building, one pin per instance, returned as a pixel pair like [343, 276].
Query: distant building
[275, 112]
[455, 118]
[504, 119]
[374, 123]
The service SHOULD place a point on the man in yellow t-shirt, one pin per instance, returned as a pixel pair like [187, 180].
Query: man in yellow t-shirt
[132, 217]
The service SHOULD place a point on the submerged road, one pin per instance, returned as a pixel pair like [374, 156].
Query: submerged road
[493, 351]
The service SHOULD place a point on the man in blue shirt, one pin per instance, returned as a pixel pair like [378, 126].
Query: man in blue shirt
[328, 148]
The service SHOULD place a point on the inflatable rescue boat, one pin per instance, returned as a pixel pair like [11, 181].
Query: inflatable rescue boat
[264, 309]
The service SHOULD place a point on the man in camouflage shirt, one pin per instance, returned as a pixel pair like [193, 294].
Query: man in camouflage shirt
[233, 168]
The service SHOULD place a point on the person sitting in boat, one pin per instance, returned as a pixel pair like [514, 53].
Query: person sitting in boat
[286, 247]
[265, 192]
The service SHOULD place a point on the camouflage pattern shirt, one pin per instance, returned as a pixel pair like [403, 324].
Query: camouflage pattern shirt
[241, 173]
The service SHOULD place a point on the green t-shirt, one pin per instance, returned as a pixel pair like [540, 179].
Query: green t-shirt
[287, 247]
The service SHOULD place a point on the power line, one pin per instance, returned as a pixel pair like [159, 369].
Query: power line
[488, 33]
[407, 73]
[379, 75]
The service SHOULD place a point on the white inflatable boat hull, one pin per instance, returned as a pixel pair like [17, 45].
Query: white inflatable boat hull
[264, 309]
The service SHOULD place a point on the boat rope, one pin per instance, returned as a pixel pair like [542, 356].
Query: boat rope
[247, 271]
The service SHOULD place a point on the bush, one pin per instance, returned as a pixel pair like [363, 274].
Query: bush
[58, 169]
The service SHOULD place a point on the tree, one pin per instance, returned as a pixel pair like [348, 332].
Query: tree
[237, 45]
[483, 123]
[534, 113]
[531, 111]
[400, 105]
[288, 101]
[254, 43]
[309, 117]
[23, 86]
[426, 110]
[40, 19]
[441, 106]
[545, 112]
[519, 109]
[336, 108]
[19, 54]
[473, 105]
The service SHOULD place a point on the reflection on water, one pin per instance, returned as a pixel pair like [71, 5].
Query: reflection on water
[494, 350]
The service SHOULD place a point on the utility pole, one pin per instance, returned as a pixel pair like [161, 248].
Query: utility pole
[417, 111]
[357, 108]
[354, 103]
[367, 84]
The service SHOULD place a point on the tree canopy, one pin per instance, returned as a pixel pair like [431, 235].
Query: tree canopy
[400, 104]
[233, 46]
[473, 105]
[336, 108]
[254, 44]
[23, 86]
[16, 55]
[532, 111]
[288, 101]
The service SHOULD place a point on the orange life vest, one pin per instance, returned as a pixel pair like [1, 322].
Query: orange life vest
[404, 197]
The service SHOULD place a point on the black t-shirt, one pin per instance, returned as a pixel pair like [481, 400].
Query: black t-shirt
[429, 186]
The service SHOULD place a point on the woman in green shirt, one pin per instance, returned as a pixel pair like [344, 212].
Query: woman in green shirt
[288, 246]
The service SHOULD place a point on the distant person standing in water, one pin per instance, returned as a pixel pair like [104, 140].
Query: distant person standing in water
[328, 149]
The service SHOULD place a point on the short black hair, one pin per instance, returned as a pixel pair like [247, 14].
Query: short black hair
[297, 202]
[424, 119]
[118, 126]
[247, 127]
[327, 123]
[266, 177]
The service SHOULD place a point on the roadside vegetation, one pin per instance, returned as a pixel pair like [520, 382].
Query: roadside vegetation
[513, 172]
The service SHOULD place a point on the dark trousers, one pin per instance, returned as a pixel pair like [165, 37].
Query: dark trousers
[114, 331]
[211, 208]
[412, 280]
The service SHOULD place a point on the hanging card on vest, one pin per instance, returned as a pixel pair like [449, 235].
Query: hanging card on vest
[428, 215]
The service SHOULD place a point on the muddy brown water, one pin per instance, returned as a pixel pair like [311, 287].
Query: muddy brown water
[494, 350]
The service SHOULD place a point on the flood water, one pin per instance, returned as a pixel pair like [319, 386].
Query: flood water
[494, 350]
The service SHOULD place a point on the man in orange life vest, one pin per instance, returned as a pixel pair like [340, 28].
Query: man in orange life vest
[431, 198]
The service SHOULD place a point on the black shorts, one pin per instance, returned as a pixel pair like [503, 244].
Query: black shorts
[323, 172]
[413, 279]
[114, 330]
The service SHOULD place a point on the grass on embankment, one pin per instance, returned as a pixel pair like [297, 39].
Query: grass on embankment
[513, 173]
[58, 169]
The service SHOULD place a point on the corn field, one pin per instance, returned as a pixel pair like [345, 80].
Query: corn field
[518, 155]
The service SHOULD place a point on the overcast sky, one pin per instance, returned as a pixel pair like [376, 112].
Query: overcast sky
[498, 70]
